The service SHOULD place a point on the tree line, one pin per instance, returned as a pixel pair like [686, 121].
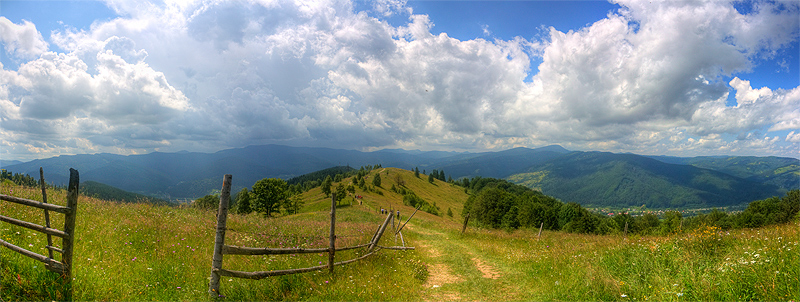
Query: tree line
[274, 196]
[496, 203]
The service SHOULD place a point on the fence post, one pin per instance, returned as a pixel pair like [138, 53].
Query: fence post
[222, 218]
[625, 235]
[69, 226]
[540, 231]
[466, 220]
[46, 213]
[332, 246]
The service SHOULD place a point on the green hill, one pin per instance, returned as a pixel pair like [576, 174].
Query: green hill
[106, 192]
[617, 180]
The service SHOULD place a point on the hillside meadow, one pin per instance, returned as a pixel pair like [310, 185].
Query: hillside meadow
[139, 251]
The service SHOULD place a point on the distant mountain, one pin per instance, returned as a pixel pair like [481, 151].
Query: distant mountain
[193, 174]
[586, 177]
[783, 172]
[4, 163]
[608, 179]
[497, 164]
[106, 192]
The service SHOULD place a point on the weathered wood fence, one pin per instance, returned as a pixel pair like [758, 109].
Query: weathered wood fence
[64, 266]
[221, 249]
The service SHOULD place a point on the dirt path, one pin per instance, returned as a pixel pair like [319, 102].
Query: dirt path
[453, 266]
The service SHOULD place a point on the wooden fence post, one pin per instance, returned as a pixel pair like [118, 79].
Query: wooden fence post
[625, 235]
[69, 227]
[466, 220]
[540, 231]
[222, 218]
[378, 236]
[46, 213]
[332, 246]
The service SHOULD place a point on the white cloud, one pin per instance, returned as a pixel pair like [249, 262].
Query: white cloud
[23, 40]
[652, 77]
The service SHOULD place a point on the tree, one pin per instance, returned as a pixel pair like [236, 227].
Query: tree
[269, 195]
[430, 178]
[326, 186]
[341, 192]
[243, 202]
[293, 205]
[207, 202]
[376, 181]
[416, 172]
[441, 176]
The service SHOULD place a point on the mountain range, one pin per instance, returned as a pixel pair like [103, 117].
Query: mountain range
[589, 178]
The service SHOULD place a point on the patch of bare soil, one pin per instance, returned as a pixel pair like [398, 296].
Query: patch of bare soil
[440, 274]
[487, 270]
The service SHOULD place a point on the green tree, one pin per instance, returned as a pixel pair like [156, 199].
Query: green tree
[341, 192]
[416, 172]
[269, 194]
[430, 178]
[326, 186]
[243, 202]
[376, 181]
[293, 204]
[207, 202]
[449, 212]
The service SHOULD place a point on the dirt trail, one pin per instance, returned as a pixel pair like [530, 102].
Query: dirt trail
[443, 281]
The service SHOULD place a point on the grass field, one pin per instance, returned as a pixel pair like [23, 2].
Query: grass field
[147, 252]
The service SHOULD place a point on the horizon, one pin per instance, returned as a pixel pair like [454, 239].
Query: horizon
[668, 78]
[388, 150]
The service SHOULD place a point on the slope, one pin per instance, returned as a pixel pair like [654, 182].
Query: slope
[618, 180]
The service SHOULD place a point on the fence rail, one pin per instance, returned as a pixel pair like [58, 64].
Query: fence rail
[220, 248]
[64, 266]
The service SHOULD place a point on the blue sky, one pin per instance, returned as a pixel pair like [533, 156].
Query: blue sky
[670, 77]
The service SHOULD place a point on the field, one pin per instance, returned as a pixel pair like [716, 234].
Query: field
[137, 251]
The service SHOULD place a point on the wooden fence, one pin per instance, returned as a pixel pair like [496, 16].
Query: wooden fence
[221, 249]
[64, 266]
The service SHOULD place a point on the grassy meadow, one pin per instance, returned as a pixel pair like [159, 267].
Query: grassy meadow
[137, 251]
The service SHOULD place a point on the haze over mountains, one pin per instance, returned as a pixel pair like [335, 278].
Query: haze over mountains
[589, 178]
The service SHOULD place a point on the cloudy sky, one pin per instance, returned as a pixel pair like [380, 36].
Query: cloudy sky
[678, 78]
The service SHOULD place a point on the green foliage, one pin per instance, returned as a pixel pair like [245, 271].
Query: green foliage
[269, 194]
[208, 202]
[326, 186]
[243, 202]
[376, 181]
[411, 199]
[19, 179]
[449, 212]
[430, 177]
[416, 172]
[292, 205]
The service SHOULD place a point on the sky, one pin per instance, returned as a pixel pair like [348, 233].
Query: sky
[680, 78]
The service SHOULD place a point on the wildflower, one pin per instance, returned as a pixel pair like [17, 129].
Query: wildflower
[623, 295]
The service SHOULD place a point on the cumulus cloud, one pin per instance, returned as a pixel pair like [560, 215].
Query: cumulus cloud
[650, 78]
[21, 40]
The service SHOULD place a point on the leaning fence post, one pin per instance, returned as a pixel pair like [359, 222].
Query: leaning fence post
[69, 226]
[46, 213]
[222, 218]
[466, 220]
[540, 231]
[332, 246]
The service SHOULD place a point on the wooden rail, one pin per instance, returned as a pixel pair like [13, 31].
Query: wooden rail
[220, 248]
[63, 267]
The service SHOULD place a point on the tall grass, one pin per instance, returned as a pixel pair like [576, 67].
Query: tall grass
[139, 251]
[148, 252]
